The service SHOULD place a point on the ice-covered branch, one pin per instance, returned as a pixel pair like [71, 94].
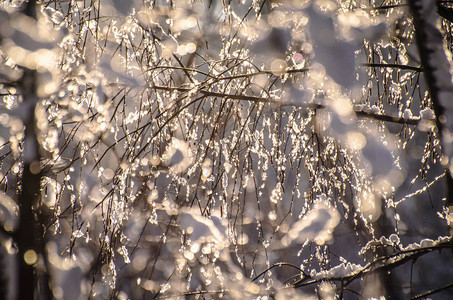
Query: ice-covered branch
[347, 273]
[359, 112]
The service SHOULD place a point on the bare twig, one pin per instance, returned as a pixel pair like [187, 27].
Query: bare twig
[420, 296]
[394, 66]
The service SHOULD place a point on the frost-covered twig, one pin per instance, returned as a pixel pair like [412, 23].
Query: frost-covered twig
[341, 273]
[359, 112]
[424, 295]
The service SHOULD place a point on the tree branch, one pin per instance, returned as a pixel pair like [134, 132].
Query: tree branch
[380, 264]
[447, 286]
[394, 66]
[360, 113]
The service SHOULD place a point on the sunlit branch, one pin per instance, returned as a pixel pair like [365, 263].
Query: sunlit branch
[434, 291]
[269, 72]
[218, 78]
[182, 69]
[361, 113]
[216, 94]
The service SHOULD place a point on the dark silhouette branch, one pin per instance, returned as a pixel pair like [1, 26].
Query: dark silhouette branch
[434, 291]
[445, 12]
[393, 66]
[279, 265]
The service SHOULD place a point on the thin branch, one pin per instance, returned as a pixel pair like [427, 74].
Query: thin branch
[447, 286]
[382, 263]
[360, 113]
[387, 118]
[394, 66]
[383, 7]
[216, 94]
[278, 265]
[194, 294]
[263, 72]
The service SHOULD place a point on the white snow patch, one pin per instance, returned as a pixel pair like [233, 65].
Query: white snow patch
[317, 225]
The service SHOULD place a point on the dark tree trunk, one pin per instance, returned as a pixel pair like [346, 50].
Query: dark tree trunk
[33, 276]
[437, 71]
